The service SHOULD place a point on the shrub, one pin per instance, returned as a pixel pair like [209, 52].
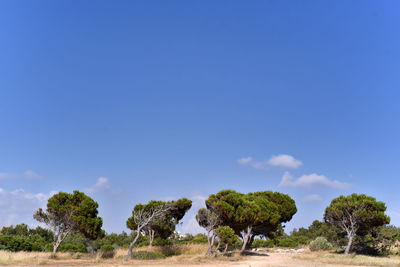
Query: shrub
[261, 243]
[147, 255]
[320, 243]
[287, 242]
[199, 239]
[72, 247]
[107, 252]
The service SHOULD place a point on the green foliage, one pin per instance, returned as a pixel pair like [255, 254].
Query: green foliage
[316, 229]
[22, 238]
[72, 247]
[380, 241]
[164, 226]
[199, 239]
[288, 242]
[262, 243]
[107, 252]
[356, 215]
[15, 243]
[260, 212]
[320, 243]
[366, 212]
[225, 234]
[77, 210]
[147, 255]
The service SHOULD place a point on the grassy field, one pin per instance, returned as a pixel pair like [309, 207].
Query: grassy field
[193, 255]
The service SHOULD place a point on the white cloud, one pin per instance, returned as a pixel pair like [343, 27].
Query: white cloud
[189, 223]
[284, 161]
[31, 175]
[312, 198]
[18, 206]
[100, 186]
[311, 180]
[253, 163]
[5, 175]
[394, 214]
[244, 161]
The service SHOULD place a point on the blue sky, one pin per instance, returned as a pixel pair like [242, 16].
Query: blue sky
[137, 100]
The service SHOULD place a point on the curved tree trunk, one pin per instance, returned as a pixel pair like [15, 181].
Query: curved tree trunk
[151, 237]
[346, 252]
[246, 236]
[132, 244]
[210, 245]
[226, 248]
[250, 242]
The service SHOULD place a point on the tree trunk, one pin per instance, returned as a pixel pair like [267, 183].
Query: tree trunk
[346, 252]
[132, 244]
[151, 237]
[246, 237]
[58, 239]
[216, 249]
[226, 248]
[251, 240]
[210, 245]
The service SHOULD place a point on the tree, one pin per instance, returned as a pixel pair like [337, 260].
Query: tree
[356, 215]
[142, 216]
[252, 214]
[164, 226]
[226, 235]
[210, 221]
[70, 212]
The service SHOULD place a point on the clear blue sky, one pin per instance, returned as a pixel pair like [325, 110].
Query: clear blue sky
[137, 100]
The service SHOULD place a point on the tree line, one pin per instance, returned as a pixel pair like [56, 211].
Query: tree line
[231, 220]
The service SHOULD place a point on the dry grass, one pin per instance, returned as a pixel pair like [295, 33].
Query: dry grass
[340, 259]
[193, 255]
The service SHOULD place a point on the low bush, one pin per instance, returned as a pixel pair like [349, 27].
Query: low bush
[147, 255]
[320, 243]
[288, 242]
[261, 243]
[107, 252]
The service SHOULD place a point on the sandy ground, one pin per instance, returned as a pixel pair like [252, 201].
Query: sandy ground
[261, 260]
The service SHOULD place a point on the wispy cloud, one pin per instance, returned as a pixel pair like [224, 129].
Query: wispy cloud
[19, 205]
[29, 174]
[101, 185]
[285, 161]
[282, 160]
[312, 198]
[190, 224]
[6, 175]
[311, 180]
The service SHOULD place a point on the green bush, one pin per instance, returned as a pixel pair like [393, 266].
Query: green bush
[320, 243]
[261, 243]
[199, 239]
[288, 242]
[107, 252]
[71, 247]
[147, 255]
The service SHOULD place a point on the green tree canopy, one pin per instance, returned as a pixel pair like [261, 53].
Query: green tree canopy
[161, 226]
[71, 212]
[252, 214]
[356, 215]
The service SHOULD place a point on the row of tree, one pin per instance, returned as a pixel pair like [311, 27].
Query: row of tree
[229, 216]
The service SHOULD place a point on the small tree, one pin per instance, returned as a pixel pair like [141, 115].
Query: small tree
[142, 216]
[253, 214]
[226, 235]
[70, 212]
[210, 221]
[164, 226]
[356, 215]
